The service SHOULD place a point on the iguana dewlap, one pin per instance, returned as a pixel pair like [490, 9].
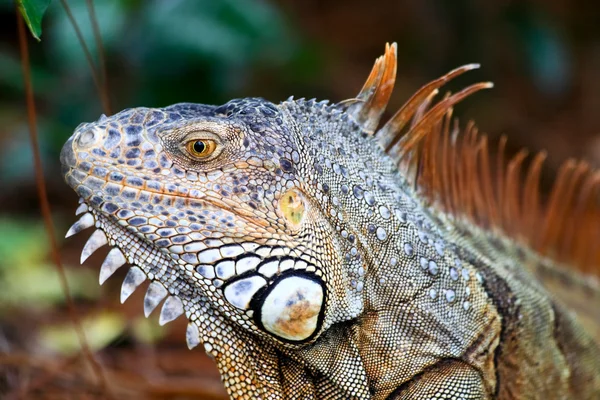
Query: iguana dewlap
[319, 255]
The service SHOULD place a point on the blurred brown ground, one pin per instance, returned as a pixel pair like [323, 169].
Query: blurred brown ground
[543, 56]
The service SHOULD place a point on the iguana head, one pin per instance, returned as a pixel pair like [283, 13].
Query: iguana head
[216, 207]
[208, 200]
[262, 223]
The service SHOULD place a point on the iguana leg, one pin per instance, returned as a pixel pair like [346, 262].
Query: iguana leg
[447, 380]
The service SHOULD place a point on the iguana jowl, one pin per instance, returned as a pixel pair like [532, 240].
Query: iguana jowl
[314, 258]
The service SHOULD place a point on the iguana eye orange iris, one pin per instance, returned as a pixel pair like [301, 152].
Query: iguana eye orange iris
[201, 148]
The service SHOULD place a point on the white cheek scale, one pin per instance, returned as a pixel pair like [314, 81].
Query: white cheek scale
[291, 309]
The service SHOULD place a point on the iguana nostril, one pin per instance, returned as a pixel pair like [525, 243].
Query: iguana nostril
[86, 138]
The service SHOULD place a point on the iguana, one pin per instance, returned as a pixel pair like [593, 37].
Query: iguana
[319, 255]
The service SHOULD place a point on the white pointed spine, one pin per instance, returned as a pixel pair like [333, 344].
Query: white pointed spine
[192, 335]
[114, 260]
[81, 209]
[86, 221]
[155, 294]
[134, 278]
[97, 240]
[172, 309]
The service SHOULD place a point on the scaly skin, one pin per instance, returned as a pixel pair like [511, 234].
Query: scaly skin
[306, 264]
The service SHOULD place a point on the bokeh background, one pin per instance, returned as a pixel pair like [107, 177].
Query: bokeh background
[543, 55]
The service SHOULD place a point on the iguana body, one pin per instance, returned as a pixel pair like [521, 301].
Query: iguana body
[308, 265]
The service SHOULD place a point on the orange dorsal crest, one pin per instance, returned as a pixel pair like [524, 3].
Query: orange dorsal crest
[454, 169]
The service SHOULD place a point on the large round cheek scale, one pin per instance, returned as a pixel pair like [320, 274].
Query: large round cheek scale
[291, 309]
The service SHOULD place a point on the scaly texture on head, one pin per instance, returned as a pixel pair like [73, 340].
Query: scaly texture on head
[217, 207]
[304, 260]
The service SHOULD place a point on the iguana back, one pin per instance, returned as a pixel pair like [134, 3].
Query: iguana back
[317, 256]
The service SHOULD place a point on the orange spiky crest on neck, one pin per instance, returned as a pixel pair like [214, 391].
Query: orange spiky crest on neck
[455, 171]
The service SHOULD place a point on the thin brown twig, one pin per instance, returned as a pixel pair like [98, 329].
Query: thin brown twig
[88, 57]
[45, 205]
[100, 51]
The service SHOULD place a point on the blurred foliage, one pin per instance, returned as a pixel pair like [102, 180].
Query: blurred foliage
[27, 277]
[100, 330]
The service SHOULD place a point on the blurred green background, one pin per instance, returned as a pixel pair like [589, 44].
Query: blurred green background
[544, 57]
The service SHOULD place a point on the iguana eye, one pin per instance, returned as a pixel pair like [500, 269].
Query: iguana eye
[201, 148]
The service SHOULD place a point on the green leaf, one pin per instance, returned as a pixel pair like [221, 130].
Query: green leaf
[33, 11]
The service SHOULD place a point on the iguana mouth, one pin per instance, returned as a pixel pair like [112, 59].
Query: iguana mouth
[152, 188]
